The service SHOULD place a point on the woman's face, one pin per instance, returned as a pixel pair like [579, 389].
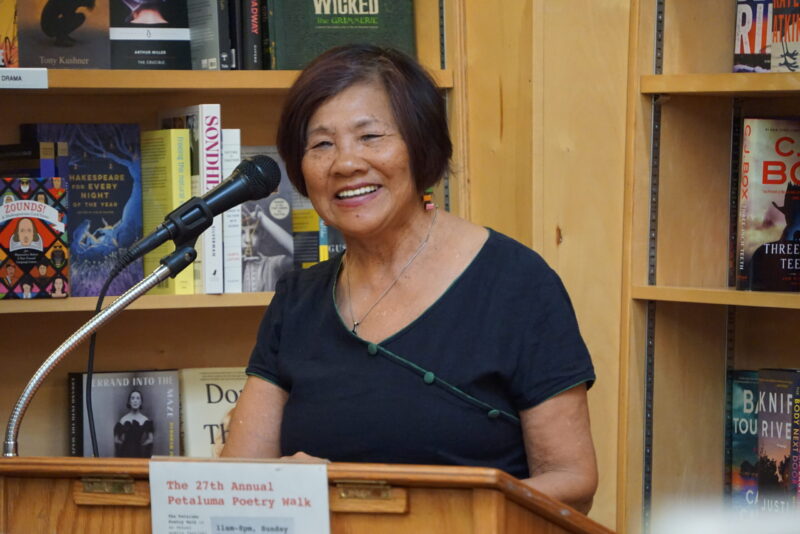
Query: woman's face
[356, 164]
[58, 284]
[135, 400]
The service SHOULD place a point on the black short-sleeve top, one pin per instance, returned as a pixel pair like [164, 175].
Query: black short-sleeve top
[447, 388]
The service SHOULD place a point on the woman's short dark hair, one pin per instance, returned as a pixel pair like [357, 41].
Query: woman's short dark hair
[418, 107]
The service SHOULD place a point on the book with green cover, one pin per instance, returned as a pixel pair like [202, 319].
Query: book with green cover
[301, 30]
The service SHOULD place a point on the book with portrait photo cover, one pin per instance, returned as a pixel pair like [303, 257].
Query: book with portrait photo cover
[136, 414]
[34, 251]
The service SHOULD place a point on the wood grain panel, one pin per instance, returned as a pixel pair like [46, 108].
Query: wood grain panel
[766, 337]
[694, 184]
[689, 404]
[698, 36]
[579, 161]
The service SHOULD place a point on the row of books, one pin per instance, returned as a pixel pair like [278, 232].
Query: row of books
[193, 34]
[767, 36]
[763, 440]
[84, 192]
[143, 413]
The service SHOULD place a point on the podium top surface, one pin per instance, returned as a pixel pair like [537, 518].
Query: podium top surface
[405, 475]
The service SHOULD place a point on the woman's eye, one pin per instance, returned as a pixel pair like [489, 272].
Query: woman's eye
[370, 137]
[320, 144]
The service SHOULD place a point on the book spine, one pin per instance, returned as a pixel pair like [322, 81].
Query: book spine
[236, 32]
[211, 176]
[47, 159]
[251, 32]
[796, 443]
[232, 219]
[205, 34]
[745, 175]
[75, 388]
[785, 46]
[227, 57]
[272, 32]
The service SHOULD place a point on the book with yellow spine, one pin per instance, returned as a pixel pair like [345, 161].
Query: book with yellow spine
[166, 183]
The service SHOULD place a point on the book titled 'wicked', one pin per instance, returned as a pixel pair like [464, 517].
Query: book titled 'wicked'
[768, 238]
[105, 204]
[300, 31]
[33, 238]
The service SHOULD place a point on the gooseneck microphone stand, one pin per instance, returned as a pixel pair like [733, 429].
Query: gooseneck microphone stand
[170, 266]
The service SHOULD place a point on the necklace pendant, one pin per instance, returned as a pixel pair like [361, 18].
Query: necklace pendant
[355, 325]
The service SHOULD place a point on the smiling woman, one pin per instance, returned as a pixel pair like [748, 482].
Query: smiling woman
[431, 340]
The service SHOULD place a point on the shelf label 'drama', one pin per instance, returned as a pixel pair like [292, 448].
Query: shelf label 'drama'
[23, 78]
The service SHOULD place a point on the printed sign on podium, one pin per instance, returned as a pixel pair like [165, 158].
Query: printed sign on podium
[205, 497]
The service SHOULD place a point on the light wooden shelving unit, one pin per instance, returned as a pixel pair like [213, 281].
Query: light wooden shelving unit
[683, 326]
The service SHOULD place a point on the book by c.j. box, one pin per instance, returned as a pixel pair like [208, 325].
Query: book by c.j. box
[136, 414]
[300, 31]
[768, 234]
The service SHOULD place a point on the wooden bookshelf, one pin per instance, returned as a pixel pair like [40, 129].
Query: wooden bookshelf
[761, 85]
[146, 302]
[66, 81]
[683, 326]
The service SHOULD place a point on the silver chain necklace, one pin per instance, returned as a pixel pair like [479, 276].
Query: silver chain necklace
[357, 323]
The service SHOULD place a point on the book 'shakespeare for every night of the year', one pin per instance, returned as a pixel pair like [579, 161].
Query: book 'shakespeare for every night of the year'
[768, 234]
[105, 201]
[34, 255]
[136, 414]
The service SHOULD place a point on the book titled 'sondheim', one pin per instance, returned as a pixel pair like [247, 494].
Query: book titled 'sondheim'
[136, 414]
[301, 30]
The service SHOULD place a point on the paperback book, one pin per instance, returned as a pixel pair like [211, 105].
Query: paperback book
[34, 255]
[136, 414]
[208, 395]
[205, 124]
[300, 31]
[166, 184]
[232, 218]
[743, 441]
[753, 36]
[150, 35]
[776, 492]
[768, 233]
[63, 35]
[209, 25]
[267, 243]
[105, 203]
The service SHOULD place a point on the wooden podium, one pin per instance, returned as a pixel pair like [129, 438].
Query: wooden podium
[43, 495]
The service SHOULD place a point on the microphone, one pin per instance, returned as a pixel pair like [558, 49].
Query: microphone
[254, 178]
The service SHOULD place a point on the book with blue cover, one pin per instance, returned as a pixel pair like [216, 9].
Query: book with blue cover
[105, 205]
[743, 441]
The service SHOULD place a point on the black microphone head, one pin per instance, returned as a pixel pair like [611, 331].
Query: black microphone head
[262, 175]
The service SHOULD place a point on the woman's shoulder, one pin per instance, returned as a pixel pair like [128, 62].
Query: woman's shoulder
[505, 252]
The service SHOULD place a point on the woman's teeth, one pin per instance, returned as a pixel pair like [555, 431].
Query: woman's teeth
[350, 193]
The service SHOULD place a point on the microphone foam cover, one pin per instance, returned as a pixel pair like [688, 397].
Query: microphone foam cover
[263, 175]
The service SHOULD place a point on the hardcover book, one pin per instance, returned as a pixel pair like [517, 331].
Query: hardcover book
[9, 49]
[205, 124]
[63, 35]
[267, 243]
[136, 414]
[34, 255]
[209, 26]
[743, 441]
[208, 395]
[752, 45]
[776, 492]
[300, 31]
[150, 35]
[105, 204]
[232, 218]
[252, 58]
[768, 234]
[785, 36]
[166, 184]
